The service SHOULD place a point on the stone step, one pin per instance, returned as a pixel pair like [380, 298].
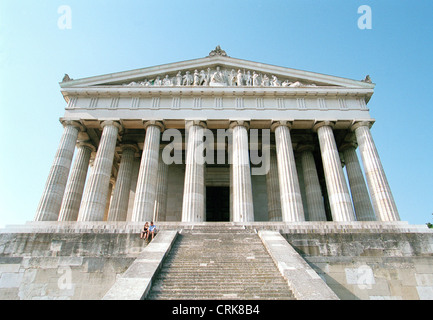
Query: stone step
[217, 296]
[234, 270]
[240, 288]
[227, 285]
[219, 263]
[175, 280]
[184, 276]
[206, 265]
[183, 293]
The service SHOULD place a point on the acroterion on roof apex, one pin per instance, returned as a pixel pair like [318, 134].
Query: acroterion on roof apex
[218, 52]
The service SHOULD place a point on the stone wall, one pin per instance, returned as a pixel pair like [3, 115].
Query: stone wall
[82, 260]
[63, 265]
[370, 265]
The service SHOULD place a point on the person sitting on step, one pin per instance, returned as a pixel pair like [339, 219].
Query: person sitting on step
[145, 231]
[152, 229]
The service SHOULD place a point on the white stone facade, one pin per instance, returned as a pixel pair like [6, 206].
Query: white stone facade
[279, 159]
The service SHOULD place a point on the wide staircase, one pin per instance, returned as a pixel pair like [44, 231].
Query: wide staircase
[211, 262]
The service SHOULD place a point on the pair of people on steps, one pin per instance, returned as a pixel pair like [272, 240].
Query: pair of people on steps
[147, 230]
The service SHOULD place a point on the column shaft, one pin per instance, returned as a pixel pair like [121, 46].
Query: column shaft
[381, 196]
[96, 191]
[133, 187]
[243, 210]
[290, 193]
[77, 179]
[162, 187]
[111, 186]
[313, 192]
[119, 203]
[51, 200]
[338, 192]
[145, 194]
[273, 189]
[361, 199]
[193, 208]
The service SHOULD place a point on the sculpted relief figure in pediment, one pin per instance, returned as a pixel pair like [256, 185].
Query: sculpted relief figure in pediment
[219, 78]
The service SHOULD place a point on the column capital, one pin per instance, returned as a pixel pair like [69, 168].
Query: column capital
[305, 147]
[155, 123]
[86, 144]
[347, 145]
[242, 123]
[131, 146]
[72, 123]
[356, 124]
[190, 123]
[112, 123]
[285, 123]
[320, 124]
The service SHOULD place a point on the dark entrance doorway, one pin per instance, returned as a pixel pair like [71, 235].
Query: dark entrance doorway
[217, 203]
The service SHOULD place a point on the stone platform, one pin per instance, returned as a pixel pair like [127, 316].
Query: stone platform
[84, 260]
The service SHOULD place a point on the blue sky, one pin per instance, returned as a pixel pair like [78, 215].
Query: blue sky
[112, 36]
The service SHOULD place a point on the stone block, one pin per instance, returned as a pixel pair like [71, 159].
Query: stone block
[32, 291]
[334, 278]
[381, 288]
[407, 277]
[94, 264]
[396, 288]
[9, 268]
[424, 279]
[425, 266]
[9, 293]
[361, 293]
[409, 293]
[10, 260]
[56, 245]
[386, 298]
[361, 276]
[425, 293]
[44, 262]
[11, 279]
[71, 261]
[60, 290]
[46, 275]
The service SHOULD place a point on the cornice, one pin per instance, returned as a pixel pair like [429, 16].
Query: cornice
[122, 91]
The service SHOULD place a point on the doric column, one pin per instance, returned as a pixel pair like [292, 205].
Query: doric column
[358, 188]
[290, 193]
[145, 194]
[77, 179]
[193, 208]
[273, 188]
[313, 192]
[134, 179]
[51, 200]
[338, 192]
[111, 186]
[96, 191]
[242, 193]
[119, 202]
[381, 196]
[162, 187]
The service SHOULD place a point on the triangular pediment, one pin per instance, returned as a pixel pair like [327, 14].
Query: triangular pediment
[215, 71]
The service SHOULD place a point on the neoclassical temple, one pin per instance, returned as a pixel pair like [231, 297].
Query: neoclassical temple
[216, 139]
